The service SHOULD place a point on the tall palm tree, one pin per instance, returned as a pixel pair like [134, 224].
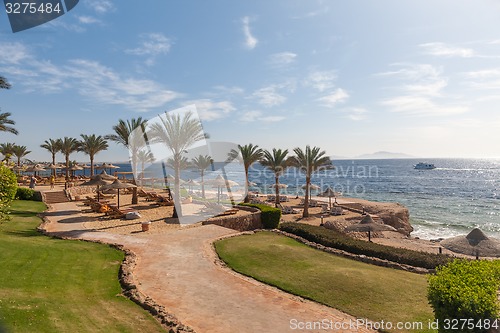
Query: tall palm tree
[126, 135]
[5, 122]
[4, 84]
[7, 149]
[20, 152]
[309, 161]
[276, 162]
[178, 134]
[53, 146]
[144, 156]
[247, 155]
[68, 146]
[91, 145]
[201, 163]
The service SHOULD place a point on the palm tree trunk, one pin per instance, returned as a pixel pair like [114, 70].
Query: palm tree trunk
[247, 198]
[306, 200]
[277, 192]
[91, 165]
[202, 185]
[177, 188]
[135, 197]
[54, 163]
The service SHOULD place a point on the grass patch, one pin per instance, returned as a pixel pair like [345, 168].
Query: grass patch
[362, 290]
[52, 285]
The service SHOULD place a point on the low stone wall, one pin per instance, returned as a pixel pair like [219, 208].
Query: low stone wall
[241, 223]
[79, 191]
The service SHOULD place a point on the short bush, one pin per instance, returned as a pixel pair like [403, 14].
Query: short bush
[337, 240]
[465, 290]
[270, 216]
[24, 193]
[8, 186]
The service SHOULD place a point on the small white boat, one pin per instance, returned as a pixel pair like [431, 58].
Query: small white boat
[425, 166]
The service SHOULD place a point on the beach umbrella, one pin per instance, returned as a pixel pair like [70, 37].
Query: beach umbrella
[367, 224]
[96, 181]
[118, 185]
[85, 166]
[475, 243]
[105, 166]
[190, 183]
[312, 187]
[220, 182]
[329, 193]
[105, 175]
[35, 168]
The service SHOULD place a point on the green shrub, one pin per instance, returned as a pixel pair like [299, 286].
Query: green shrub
[24, 193]
[465, 289]
[337, 240]
[270, 216]
[8, 186]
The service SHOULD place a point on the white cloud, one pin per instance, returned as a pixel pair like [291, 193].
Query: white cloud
[445, 50]
[250, 40]
[88, 20]
[89, 78]
[336, 97]
[16, 52]
[355, 114]
[321, 80]
[210, 110]
[268, 96]
[282, 59]
[100, 6]
[151, 46]
[252, 116]
[234, 90]
[422, 106]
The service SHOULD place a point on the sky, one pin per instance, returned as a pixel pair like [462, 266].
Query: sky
[352, 77]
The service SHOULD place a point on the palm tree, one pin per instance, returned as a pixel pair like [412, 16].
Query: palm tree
[144, 156]
[276, 162]
[20, 152]
[67, 147]
[53, 146]
[126, 135]
[309, 161]
[178, 134]
[3, 83]
[91, 145]
[5, 122]
[7, 149]
[247, 154]
[202, 163]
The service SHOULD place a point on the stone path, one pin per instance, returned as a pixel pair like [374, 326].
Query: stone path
[178, 270]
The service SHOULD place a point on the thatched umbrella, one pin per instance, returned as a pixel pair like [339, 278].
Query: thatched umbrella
[368, 224]
[35, 168]
[220, 182]
[475, 243]
[190, 183]
[118, 185]
[329, 193]
[312, 187]
[96, 181]
[106, 176]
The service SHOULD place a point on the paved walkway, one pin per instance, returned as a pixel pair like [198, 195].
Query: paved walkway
[178, 270]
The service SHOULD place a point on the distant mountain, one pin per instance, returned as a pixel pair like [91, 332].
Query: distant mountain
[383, 155]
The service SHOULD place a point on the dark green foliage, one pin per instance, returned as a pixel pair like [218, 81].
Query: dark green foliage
[24, 193]
[270, 216]
[8, 186]
[465, 289]
[340, 241]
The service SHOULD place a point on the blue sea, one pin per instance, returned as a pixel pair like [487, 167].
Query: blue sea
[458, 195]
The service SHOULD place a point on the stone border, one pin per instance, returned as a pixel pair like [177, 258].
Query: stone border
[128, 282]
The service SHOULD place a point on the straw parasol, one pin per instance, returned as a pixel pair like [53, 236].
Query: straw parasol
[35, 168]
[369, 225]
[118, 185]
[475, 243]
[312, 187]
[190, 183]
[105, 166]
[220, 182]
[329, 193]
[105, 175]
[96, 181]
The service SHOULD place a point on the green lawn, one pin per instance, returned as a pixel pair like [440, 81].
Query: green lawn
[51, 285]
[362, 290]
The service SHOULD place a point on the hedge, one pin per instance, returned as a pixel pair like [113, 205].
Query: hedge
[465, 289]
[24, 193]
[337, 240]
[270, 216]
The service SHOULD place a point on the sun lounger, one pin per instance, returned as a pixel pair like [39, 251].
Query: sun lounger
[336, 210]
[115, 212]
[288, 210]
